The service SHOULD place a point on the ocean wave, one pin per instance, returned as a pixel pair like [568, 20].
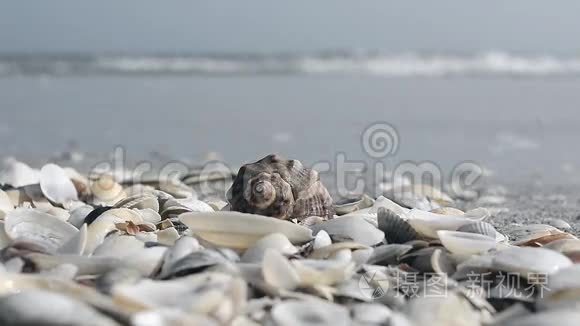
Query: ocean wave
[397, 65]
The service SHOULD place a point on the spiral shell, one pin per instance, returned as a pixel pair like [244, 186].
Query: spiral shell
[280, 188]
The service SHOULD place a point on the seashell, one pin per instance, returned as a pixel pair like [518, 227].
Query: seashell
[442, 310]
[121, 275]
[18, 174]
[143, 201]
[560, 224]
[371, 313]
[278, 272]
[4, 238]
[176, 188]
[216, 295]
[107, 222]
[525, 260]
[536, 235]
[420, 260]
[194, 262]
[167, 236]
[427, 224]
[132, 252]
[76, 244]
[106, 191]
[85, 265]
[383, 202]
[419, 196]
[561, 290]
[80, 182]
[557, 317]
[564, 246]
[448, 211]
[5, 204]
[395, 228]
[322, 239]
[309, 313]
[239, 230]
[478, 214]
[274, 241]
[165, 316]
[330, 250]
[388, 254]
[36, 307]
[442, 263]
[60, 213]
[14, 283]
[323, 272]
[355, 228]
[463, 245]
[280, 188]
[31, 225]
[216, 204]
[350, 205]
[482, 228]
[192, 204]
[56, 185]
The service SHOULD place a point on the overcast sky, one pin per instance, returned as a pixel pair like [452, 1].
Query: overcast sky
[291, 25]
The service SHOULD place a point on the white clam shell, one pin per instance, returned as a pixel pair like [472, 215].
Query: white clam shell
[217, 295]
[525, 260]
[356, 228]
[105, 223]
[427, 224]
[18, 174]
[322, 239]
[167, 236]
[56, 185]
[39, 307]
[310, 313]
[5, 204]
[75, 245]
[78, 215]
[274, 241]
[239, 230]
[465, 244]
[278, 272]
[34, 226]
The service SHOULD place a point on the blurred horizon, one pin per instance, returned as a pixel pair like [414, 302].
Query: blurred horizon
[262, 26]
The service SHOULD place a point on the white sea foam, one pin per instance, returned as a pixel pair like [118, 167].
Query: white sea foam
[390, 65]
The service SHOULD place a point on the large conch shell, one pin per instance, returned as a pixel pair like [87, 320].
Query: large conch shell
[280, 188]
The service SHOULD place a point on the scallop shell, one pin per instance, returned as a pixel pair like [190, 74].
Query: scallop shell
[396, 229]
[279, 188]
[483, 228]
[240, 230]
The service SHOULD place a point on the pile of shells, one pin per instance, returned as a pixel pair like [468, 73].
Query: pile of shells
[277, 251]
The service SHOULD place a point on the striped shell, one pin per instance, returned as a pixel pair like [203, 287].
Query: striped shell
[395, 228]
[279, 188]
